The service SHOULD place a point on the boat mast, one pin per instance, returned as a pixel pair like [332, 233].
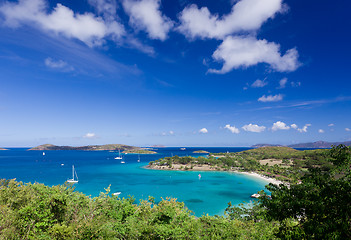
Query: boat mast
[73, 172]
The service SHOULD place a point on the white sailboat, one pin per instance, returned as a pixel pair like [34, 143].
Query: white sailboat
[43, 153]
[74, 173]
[119, 155]
[138, 157]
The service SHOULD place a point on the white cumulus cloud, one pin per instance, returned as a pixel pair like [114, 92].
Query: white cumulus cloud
[58, 64]
[280, 126]
[321, 131]
[294, 126]
[246, 15]
[146, 15]
[242, 52]
[271, 98]
[233, 129]
[203, 130]
[304, 129]
[62, 20]
[253, 128]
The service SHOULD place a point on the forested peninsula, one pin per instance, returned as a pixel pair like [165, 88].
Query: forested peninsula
[281, 163]
[317, 206]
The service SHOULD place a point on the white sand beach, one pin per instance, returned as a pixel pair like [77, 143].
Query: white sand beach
[182, 167]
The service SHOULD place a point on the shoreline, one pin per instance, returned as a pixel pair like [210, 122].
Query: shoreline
[215, 169]
[265, 178]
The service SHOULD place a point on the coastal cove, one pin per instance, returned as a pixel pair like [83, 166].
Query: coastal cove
[98, 169]
[181, 167]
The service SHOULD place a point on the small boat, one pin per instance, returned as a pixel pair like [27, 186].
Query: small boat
[43, 153]
[182, 149]
[123, 161]
[74, 173]
[119, 155]
[138, 157]
[255, 195]
[116, 193]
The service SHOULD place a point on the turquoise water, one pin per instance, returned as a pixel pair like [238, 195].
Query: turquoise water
[97, 170]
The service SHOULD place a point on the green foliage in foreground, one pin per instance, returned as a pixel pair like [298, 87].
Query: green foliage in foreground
[36, 211]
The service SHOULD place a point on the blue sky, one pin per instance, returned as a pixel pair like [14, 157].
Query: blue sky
[176, 73]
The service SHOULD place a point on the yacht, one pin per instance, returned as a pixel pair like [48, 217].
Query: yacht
[74, 173]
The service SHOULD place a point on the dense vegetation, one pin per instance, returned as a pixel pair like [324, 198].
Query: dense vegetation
[319, 207]
[283, 163]
[35, 211]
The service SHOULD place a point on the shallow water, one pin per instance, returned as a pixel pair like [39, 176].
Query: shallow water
[98, 169]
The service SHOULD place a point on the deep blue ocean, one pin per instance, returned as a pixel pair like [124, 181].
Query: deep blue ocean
[98, 169]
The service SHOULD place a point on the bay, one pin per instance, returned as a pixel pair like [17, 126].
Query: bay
[97, 170]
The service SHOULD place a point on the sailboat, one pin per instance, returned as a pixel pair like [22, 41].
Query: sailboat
[43, 153]
[74, 173]
[138, 157]
[119, 155]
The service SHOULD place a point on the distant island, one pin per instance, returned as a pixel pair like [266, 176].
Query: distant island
[139, 151]
[158, 146]
[201, 151]
[106, 147]
[266, 145]
[3, 149]
[318, 144]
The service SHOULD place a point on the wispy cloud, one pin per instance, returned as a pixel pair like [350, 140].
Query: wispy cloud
[307, 103]
[259, 83]
[347, 129]
[282, 83]
[320, 130]
[89, 135]
[295, 84]
[271, 98]
[58, 64]
[169, 133]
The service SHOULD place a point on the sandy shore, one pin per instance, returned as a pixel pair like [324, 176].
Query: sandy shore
[268, 179]
[182, 167]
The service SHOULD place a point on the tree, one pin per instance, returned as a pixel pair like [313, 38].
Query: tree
[319, 207]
